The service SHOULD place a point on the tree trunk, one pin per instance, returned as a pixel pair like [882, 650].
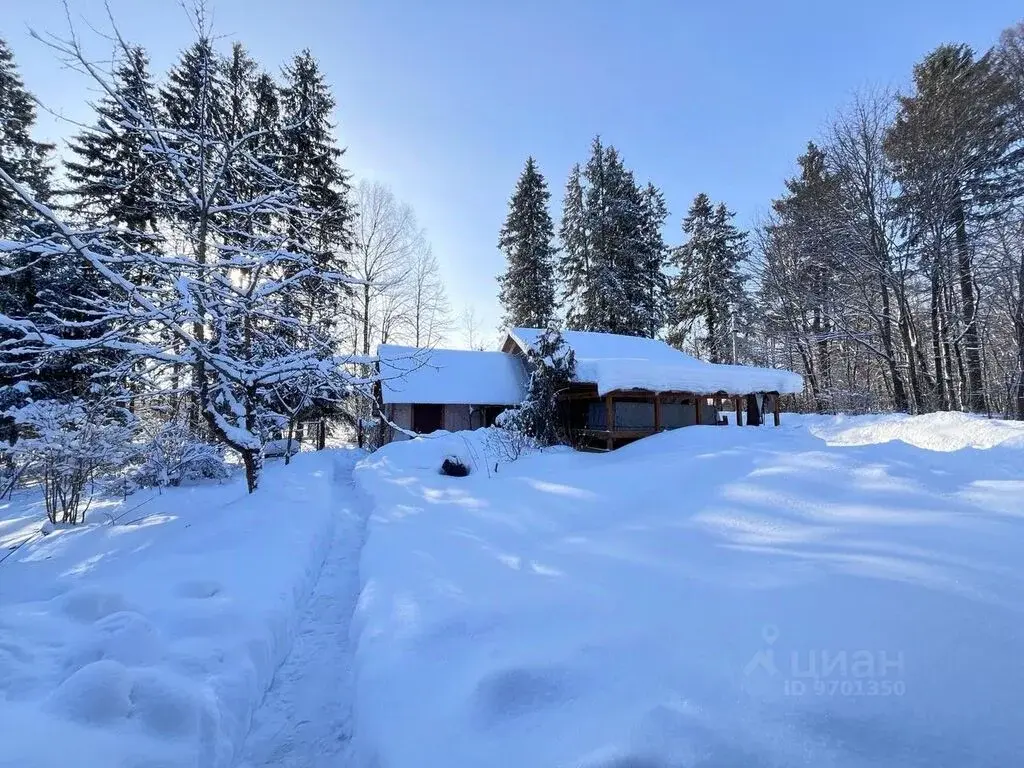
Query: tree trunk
[288, 445]
[972, 340]
[1018, 326]
[366, 319]
[908, 335]
[1019, 389]
[941, 395]
[253, 462]
[899, 390]
[951, 351]
[812, 377]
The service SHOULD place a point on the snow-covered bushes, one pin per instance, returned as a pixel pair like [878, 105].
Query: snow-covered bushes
[174, 456]
[68, 445]
[508, 441]
[552, 367]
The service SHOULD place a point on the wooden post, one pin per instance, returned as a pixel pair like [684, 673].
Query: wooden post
[657, 412]
[696, 409]
[736, 401]
[609, 410]
[775, 408]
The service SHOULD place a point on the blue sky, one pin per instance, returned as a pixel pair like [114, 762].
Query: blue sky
[443, 100]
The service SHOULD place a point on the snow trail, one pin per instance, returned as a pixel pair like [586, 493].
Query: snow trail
[305, 718]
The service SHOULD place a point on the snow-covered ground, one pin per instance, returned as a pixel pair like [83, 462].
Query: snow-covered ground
[836, 592]
[151, 643]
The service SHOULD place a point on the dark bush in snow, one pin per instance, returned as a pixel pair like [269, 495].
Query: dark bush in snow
[453, 466]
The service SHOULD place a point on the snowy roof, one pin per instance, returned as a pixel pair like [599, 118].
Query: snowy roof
[450, 376]
[615, 362]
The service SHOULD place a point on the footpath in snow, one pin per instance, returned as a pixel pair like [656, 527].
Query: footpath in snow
[151, 644]
[836, 592]
[305, 719]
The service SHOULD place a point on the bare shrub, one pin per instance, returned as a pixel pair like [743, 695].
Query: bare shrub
[69, 443]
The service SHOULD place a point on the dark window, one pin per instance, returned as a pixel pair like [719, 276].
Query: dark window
[491, 413]
[427, 418]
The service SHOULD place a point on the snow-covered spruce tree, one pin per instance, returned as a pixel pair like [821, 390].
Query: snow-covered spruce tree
[552, 366]
[616, 257]
[574, 263]
[613, 254]
[707, 292]
[221, 304]
[35, 285]
[311, 158]
[653, 282]
[239, 81]
[109, 181]
[20, 155]
[527, 286]
[603, 291]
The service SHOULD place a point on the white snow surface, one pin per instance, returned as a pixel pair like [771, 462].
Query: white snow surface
[837, 592]
[614, 362]
[450, 376]
[944, 431]
[150, 642]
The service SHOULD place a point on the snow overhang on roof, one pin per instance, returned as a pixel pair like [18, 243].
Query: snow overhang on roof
[615, 362]
[450, 376]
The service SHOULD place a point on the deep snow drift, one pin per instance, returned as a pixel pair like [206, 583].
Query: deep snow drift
[836, 592]
[150, 644]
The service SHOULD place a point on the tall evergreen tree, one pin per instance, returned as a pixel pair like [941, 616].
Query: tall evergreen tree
[654, 283]
[611, 269]
[112, 176]
[311, 158]
[805, 270]
[574, 263]
[29, 280]
[958, 161]
[21, 156]
[527, 287]
[266, 120]
[708, 291]
[615, 215]
[239, 77]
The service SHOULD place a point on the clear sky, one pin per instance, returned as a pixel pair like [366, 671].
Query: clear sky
[444, 99]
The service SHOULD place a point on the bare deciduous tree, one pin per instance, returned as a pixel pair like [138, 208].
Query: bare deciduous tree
[429, 311]
[387, 238]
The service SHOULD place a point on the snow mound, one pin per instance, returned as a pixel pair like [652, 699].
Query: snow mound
[151, 644]
[943, 431]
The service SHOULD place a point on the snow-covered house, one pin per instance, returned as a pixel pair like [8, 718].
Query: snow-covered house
[626, 387]
[423, 390]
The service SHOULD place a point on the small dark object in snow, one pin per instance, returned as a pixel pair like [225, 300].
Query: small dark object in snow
[454, 467]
